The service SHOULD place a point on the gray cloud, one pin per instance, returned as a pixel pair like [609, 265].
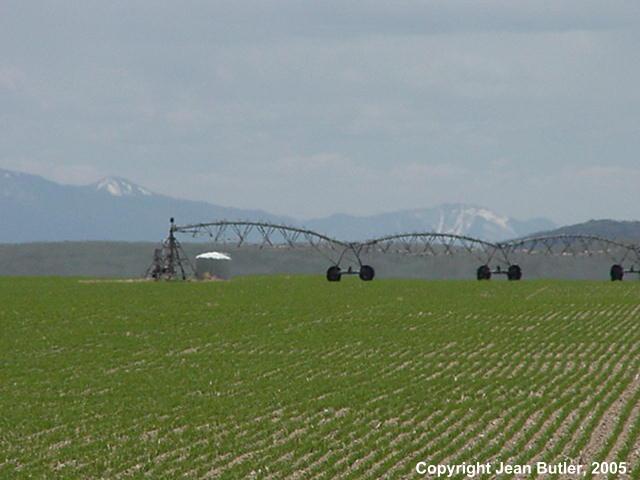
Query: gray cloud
[308, 108]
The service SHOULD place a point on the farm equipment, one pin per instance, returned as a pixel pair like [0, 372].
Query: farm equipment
[366, 273]
[170, 261]
[618, 272]
[513, 273]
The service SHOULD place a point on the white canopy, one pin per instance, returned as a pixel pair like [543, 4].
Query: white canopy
[214, 256]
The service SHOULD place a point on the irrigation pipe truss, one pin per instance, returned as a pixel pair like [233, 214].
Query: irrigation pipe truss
[272, 235]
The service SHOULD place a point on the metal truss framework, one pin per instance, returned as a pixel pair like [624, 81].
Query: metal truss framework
[270, 235]
[170, 261]
[571, 245]
[433, 244]
[266, 235]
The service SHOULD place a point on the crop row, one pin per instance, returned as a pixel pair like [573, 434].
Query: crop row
[280, 377]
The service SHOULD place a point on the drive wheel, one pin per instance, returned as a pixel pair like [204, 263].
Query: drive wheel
[484, 272]
[617, 273]
[334, 274]
[514, 272]
[367, 273]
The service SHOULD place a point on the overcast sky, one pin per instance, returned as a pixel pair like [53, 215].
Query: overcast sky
[307, 108]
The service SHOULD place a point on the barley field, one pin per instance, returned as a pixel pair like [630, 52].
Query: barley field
[294, 377]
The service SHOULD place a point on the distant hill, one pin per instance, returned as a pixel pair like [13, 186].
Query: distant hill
[33, 209]
[613, 229]
[131, 260]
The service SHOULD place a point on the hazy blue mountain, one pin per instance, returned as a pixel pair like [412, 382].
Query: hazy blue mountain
[35, 209]
[457, 219]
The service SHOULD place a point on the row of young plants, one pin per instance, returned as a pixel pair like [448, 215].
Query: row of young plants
[285, 377]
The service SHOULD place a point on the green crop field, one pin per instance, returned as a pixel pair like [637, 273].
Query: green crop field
[295, 377]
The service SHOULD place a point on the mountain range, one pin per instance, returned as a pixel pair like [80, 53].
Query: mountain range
[33, 208]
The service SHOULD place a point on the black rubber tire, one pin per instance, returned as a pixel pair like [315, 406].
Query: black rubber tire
[367, 273]
[334, 274]
[514, 272]
[617, 273]
[484, 272]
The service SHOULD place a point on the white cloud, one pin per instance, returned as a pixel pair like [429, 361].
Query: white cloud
[420, 172]
[313, 164]
[609, 173]
[74, 174]
[11, 78]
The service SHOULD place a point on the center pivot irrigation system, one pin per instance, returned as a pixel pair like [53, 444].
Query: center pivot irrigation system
[170, 261]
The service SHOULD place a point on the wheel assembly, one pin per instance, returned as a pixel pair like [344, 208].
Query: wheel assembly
[514, 272]
[617, 273]
[484, 272]
[334, 274]
[367, 273]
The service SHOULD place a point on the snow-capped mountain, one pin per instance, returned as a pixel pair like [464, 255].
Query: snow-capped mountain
[35, 209]
[458, 219]
[461, 219]
[120, 187]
